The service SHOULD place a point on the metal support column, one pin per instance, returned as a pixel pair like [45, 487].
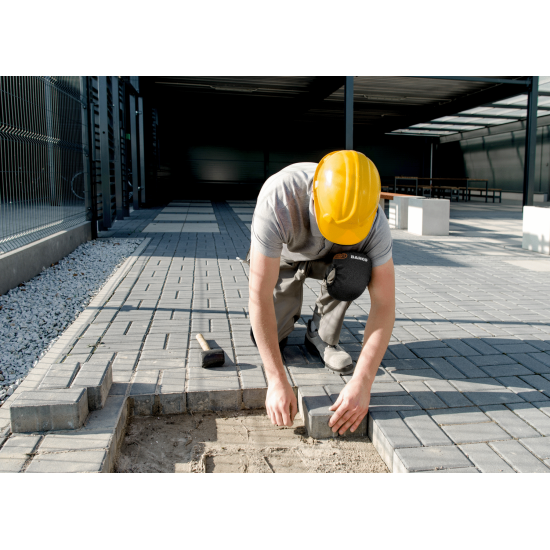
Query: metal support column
[134, 151]
[104, 152]
[349, 112]
[141, 149]
[89, 199]
[118, 160]
[530, 142]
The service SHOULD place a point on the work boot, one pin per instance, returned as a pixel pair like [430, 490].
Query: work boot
[334, 357]
[282, 343]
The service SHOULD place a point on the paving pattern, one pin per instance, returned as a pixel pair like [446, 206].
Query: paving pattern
[463, 387]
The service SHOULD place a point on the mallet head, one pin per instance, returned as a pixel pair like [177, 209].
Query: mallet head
[212, 358]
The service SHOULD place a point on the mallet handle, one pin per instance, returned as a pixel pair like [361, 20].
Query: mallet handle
[203, 342]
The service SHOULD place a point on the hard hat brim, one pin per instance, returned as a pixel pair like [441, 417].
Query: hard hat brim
[344, 234]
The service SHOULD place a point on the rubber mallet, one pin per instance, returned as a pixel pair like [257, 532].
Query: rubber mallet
[210, 357]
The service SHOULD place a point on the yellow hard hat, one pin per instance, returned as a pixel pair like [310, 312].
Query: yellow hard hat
[346, 194]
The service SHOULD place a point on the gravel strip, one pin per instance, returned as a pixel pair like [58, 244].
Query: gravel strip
[34, 314]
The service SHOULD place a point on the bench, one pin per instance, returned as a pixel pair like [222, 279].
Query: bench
[413, 186]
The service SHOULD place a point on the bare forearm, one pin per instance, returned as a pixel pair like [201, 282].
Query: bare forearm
[375, 342]
[264, 326]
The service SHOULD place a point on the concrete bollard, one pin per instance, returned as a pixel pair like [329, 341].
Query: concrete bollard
[536, 229]
[399, 212]
[429, 216]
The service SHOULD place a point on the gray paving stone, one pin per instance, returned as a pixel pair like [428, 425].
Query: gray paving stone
[444, 369]
[424, 428]
[382, 376]
[538, 382]
[506, 370]
[531, 362]
[333, 391]
[522, 388]
[429, 458]
[19, 446]
[41, 411]
[60, 376]
[214, 394]
[516, 348]
[388, 431]
[489, 360]
[436, 352]
[480, 384]
[411, 375]
[479, 346]
[424, 396]
[387, 388]
[73, 462]
[12, 465]
[401, 351]
[459, 346]
[314, 404]
[317, 379]
[402, 364]
[462, 415]
[388, 403]
[543, 358]
[470, 470]
[485, 458]
[75, 441]
[467, 368]
[98, 379]
[532, 415]
[448, 393]
[493, 397]
[475, 433]
[519, 457]
[509, 421]
[171, 394]
[539, 446]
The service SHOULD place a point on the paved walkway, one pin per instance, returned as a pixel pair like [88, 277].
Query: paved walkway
[464, 385]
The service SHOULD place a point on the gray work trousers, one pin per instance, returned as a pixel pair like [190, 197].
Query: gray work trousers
[289, 293]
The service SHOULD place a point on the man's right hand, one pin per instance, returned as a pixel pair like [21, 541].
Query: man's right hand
[281, 403]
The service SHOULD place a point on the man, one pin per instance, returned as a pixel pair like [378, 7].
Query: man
[321, 221]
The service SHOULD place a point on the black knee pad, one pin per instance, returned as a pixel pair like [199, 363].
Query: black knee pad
[348, 276]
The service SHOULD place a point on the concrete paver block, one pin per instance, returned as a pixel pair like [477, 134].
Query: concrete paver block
[425, 429]
[60, 376]
[467, 368]
[539, 446]
[444, 369]
[12, 465]
[76, 441]
[333, 392]
[214, 394]
[429, 458]
[462, 415]
[19, 446]
[98, 379]
[172, 392]
[475, 433]
[314, 404]
[493, 397]
[509, 421]
[519, 457]
[530, 361]
[71, 462]
[388, 432]
[40, 411]
[448, 393]
[532, 415]
[485, 458]
[423, 395]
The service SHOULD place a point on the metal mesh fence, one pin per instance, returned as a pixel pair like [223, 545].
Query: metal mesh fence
[41, 158]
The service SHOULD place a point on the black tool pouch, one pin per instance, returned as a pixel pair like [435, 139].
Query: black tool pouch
[348, 275]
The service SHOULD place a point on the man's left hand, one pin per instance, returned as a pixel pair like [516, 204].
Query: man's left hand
[350, 408]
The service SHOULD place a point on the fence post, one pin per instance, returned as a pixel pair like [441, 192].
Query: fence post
[141, 149]
[104, 152]
[134, 153]
[89, 198]
[117, 147]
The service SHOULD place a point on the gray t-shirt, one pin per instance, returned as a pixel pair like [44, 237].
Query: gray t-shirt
[284, 222]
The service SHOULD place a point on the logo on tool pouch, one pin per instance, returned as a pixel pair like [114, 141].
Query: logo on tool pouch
[359, 258]
[341, 256]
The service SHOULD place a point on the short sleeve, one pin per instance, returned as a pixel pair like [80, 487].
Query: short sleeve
[266, 234]
[378, 245]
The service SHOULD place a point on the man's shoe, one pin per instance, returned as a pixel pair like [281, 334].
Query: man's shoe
[282, 343]
[334, 357]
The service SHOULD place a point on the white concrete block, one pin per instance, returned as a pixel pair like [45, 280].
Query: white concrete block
[429, 216]
[399, 212]
[536, 229]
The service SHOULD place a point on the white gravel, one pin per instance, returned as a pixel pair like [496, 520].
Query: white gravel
[35, 314]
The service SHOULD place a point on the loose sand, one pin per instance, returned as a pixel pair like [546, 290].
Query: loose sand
[240, 442]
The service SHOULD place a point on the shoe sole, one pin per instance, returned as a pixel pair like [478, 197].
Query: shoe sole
[312, 348]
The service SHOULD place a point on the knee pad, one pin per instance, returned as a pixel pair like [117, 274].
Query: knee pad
[348, 276]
